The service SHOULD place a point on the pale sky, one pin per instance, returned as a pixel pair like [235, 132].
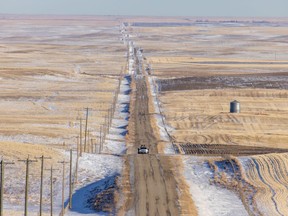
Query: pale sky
[252, 8]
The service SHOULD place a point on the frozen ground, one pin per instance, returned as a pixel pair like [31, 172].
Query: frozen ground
[96, 173]
[209, 199]
[164, 129]
[46, 91]
[115, 140]
[99, 172]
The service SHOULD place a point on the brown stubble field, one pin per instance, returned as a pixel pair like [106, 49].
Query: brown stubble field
[199, 69]
[51, 69]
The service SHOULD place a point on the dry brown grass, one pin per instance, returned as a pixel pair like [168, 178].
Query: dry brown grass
[186, 203]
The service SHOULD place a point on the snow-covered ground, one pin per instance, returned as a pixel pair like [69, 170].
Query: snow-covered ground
[210, 200]
[115, 140]
[29, 138]
[96, 173]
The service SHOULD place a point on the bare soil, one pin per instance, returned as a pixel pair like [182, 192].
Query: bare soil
[265, 81]
[154, 184]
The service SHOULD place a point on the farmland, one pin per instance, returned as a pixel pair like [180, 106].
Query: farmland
[199, 69]
[51, 70]
[161, 82]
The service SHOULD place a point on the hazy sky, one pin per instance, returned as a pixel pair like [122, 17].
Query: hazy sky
[278, 8]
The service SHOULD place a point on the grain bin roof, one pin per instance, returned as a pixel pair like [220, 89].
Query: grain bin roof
[235, 101]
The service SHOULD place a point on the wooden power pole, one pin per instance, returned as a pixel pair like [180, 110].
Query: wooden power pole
[77, 162]
[41, 182]
[63, 185]
[51, 189]
[86, 125]
[100, 147]
[80, 137]
[2, 185]
[70, 181]
[27, 162]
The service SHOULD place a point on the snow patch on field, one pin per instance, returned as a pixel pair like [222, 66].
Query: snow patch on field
[96, 173]
[210, 200]
[131, 57]
[55, 78]
[160, 118]
[115, 140]
[28, 138]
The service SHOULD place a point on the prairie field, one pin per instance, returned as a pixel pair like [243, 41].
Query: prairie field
[267, 174]
[199, 68]
[175, 78]
[51, 69]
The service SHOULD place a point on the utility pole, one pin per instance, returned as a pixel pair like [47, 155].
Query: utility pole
[86, 125]
[63, 185]
[108, 120]
[27, 161]
[2, 185]
[95, 146]
[77, 162]
[2, 188]
[106, 126]
[112, 113]
[41, 183]
[92, 145]
[70, 181]
[88, 141]
[51, 189]
[80, 137]
[100, 148]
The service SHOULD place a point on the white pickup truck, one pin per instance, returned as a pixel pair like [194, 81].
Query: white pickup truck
[143, 150]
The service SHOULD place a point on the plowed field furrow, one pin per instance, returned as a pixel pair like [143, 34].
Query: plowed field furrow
[218, 149]
[268, 188]
[268, 175]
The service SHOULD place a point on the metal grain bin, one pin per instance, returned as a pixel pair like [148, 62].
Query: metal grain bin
[235, 106]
